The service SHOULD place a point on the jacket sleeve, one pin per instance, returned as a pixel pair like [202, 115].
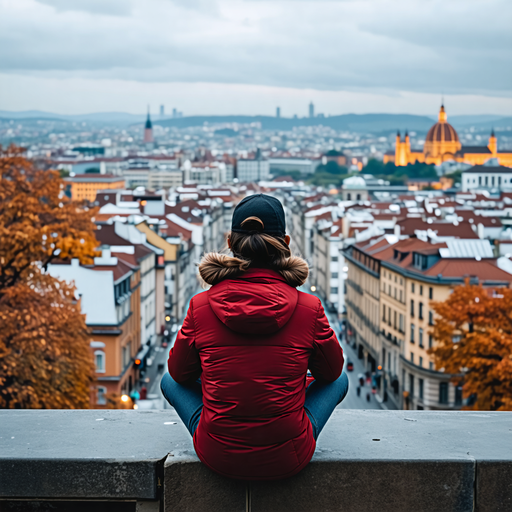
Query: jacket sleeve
[184, 363]
[326, 361]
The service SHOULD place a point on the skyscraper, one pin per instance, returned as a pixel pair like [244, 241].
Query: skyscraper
[278, 112]
[311, 110]
[162, 111]
[148, 131]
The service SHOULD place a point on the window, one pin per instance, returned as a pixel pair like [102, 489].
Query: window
[412, 287]
[412, 307]
[421, 289]
[431, 293]
[421, 361]
[420, 337]
[99, 359]
[401, 323]
[395, 294]
[395, 278]
[420, 390]
[412, 333]
[334, 289]
[334, 258]
[443, 392]
[334, 275]
[430, 318]
[401, 296]
[430, 341]
[389, 290]
[101, 396]
[420, 310]
[412, 357]
[411, 385]
[458, 395]
[383, 313]
[431, 365]
[394, 321]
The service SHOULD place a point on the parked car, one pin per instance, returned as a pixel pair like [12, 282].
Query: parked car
[350, 366]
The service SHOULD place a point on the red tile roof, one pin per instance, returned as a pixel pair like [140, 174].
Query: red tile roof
[410, 225]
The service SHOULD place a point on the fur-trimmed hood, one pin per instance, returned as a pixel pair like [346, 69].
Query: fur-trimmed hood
[216, 267]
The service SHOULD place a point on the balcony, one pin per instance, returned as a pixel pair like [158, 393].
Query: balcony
[365, 460]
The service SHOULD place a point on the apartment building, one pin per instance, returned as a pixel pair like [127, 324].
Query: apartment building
[414, 273]
[109, 293]
[84, 186]
[126, 239]
[363, 306]
[327, 272]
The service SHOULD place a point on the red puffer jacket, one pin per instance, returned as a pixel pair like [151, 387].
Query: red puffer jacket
[251, 340]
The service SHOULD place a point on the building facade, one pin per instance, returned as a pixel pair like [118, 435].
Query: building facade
[442, 144]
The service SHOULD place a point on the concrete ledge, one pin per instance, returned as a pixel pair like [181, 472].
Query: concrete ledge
[85, 454]
[365, 460]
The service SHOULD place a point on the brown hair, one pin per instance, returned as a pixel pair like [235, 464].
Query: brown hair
[254, 249]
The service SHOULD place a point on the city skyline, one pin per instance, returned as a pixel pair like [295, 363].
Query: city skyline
[247, 57]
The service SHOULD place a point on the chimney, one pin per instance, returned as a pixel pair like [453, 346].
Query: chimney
[106, 258]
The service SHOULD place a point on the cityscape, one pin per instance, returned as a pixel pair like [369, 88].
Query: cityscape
[387, 231]
[130, 134]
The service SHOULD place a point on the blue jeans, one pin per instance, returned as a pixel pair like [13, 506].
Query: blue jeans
[321, 400]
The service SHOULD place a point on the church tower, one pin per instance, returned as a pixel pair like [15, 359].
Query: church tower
[148, 131]
[493, 144]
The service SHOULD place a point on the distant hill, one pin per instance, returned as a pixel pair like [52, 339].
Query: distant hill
[348, 122]
[374, 123]
[100, 117]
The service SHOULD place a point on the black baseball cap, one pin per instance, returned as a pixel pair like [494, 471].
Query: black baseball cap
[267, 208]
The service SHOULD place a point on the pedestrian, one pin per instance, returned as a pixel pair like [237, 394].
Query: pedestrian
[237, 371]
[367, 397]
[358, 390]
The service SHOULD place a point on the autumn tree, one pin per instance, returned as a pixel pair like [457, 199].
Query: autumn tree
[44, 342]
[473, 333]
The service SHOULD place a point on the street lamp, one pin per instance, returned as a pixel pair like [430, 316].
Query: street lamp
[313, 288]
[125, 398]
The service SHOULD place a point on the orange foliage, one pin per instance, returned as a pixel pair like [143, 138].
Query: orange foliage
[483, 353]
[45, 360]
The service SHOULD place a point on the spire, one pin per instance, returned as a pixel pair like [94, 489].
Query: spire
[407, 133]
[492, 132]
[398, 133]
[148, 126]
[442, 114]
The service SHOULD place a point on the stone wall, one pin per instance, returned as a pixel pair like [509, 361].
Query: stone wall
[365, 461]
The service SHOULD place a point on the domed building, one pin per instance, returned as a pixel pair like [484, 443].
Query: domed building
[442, 140]
[442, 144]
[354, 189]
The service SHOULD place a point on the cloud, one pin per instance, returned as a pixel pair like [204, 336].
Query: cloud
[384, 46]
[110, 7]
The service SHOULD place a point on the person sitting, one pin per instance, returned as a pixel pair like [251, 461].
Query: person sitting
[238, 371]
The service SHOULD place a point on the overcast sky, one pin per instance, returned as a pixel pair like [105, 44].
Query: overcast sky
[249, 56]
